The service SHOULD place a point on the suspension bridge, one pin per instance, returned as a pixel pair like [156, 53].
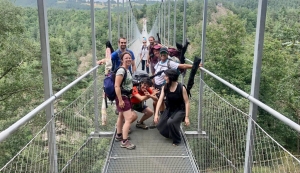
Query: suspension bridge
[79, 137]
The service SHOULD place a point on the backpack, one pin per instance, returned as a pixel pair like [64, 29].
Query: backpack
[137, 76]
[174, 52]
[109, 84]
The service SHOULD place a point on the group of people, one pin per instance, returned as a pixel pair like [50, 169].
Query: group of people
[170, 99]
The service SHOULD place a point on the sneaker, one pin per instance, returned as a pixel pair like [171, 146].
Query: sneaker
[141, 125]
[128, 145]
[120, 138]
[152, 125]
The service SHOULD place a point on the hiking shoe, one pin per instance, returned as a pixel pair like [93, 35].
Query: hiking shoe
[127, 145]
[141, 125]
[120, 138]
[152, 125]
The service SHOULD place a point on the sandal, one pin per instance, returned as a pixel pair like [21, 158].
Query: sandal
[141, 125]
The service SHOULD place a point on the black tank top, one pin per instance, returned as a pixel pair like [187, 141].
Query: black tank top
[175, 99]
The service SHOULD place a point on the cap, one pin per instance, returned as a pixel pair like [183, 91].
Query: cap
[156, 47]
[163, 49]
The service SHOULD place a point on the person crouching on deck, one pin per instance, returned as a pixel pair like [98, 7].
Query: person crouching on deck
[139, 95]
[177, 107]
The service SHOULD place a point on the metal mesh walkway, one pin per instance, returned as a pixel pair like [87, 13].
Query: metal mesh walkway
[153, 153]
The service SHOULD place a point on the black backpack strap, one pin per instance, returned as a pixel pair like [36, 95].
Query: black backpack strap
[125, 75]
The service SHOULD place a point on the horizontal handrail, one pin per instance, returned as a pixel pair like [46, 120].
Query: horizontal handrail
[273, 112]
[5, 133]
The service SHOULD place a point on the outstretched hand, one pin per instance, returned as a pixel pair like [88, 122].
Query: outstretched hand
[100, 62]
[155, 119]
[155, 91]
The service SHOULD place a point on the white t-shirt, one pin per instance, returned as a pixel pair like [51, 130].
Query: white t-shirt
[127, 84]
[144, 52]
[159, 80]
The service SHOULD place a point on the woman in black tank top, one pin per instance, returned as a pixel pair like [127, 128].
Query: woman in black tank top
[177, 107]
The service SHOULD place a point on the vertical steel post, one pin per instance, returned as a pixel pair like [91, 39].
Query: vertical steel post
[184, 22]
[256, 72]
[169, 16]
[127, 22]
[174, 37]
[158, 29]
[118, 19]
[46, 66]
[204, 24]
[96, 111]
[109, 21]
[123, 17]
[164, 21]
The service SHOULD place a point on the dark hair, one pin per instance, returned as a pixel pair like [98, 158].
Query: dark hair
[173, 77]
[121, 38]
[123, 54]
[172, 74]
[152, 37]
[147, 81]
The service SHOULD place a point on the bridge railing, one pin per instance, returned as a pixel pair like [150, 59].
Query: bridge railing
[74, 123]
[221, 144]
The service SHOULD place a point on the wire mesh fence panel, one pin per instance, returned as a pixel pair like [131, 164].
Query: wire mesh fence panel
[89, 158]
[223, 147]
[34, 156]
[73, 125]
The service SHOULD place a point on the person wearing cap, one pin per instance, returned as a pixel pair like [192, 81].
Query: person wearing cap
[177, 107]
[144, 55]
[152, 59]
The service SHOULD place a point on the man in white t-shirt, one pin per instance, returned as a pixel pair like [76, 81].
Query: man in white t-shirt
[164, 64]
[144, 55]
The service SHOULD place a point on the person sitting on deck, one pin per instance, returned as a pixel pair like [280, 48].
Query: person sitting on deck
[139, 95]
[177, 107]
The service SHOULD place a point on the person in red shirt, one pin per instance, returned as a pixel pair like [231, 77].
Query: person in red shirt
[140, 94]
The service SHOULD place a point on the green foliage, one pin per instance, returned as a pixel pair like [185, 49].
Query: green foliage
[20, 80]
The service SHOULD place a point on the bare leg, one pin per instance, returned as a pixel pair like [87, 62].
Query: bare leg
[129, 117]
[147, 114]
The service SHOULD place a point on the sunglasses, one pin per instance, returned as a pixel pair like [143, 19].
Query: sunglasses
[164, 53]
[144, 42]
